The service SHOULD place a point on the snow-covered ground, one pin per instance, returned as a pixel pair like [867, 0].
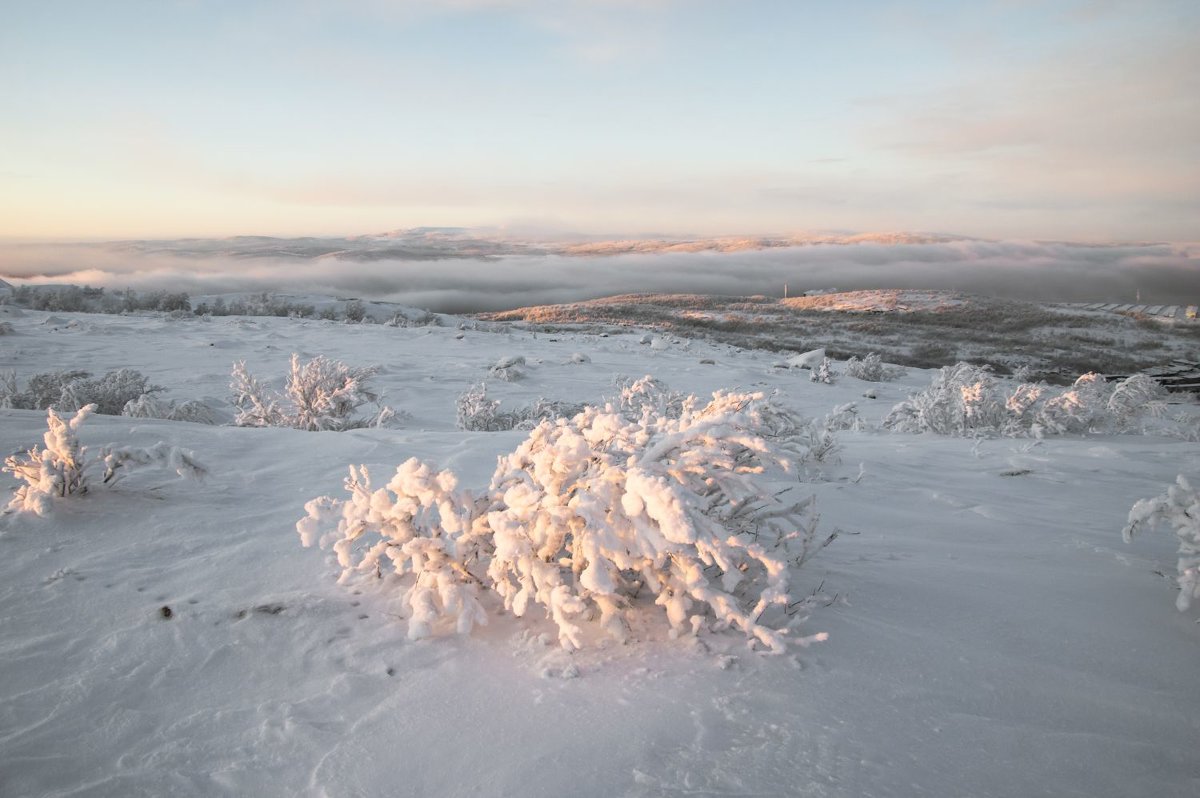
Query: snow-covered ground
[989, 632]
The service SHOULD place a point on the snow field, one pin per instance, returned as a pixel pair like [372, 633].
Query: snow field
[990, 633]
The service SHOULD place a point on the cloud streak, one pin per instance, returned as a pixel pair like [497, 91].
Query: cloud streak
[1162, 273]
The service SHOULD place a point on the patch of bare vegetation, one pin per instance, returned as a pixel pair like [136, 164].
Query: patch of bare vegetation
[924, 329]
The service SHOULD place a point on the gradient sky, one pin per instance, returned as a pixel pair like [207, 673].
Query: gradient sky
[1077, 119]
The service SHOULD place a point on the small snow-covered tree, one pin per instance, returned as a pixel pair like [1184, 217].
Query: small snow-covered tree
[62, 467]
[322, 394]
[418, 525]
[1180, 508]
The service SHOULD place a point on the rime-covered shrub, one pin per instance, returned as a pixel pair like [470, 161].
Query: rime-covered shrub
[823, 372]
[475, 412]
[965, 399]
[6, 328]
[150, 406]
[961, 398]
[595, 511]
[62, 468]
[9, 392]
[422, 319]
[820, 435]
[598, 517]
[321, 394]
[54, 471]
[417, 525]
[646, 395]
[1076, 410]
[1180, 508]
[109, 393]
[508, 368]
[1135, 396]
[872, 369]
[68, 391]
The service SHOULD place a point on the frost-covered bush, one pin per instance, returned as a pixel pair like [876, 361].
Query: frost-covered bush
[823, 372]
[62, 467]
[1077, 410]
[417, 525]
[961, 398]
[475, 412]
[150, 406]
[1134, 396]
[646, 395]
[598, 517]
[592, 512]
[6, 328]
[508, 368]
[965, 399]
[68, 391]
[321, 394]
[872, 369]
[820, 435]
[423, 319]
[1180, 508]
[54, 471]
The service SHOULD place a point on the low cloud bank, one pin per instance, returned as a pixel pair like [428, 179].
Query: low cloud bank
[1162, 273]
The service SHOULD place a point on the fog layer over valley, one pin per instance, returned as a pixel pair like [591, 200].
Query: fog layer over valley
[482, 271]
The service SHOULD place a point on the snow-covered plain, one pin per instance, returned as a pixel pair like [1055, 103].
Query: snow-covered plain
[989, 632]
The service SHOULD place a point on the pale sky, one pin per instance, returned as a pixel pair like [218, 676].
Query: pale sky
[1076, 119]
